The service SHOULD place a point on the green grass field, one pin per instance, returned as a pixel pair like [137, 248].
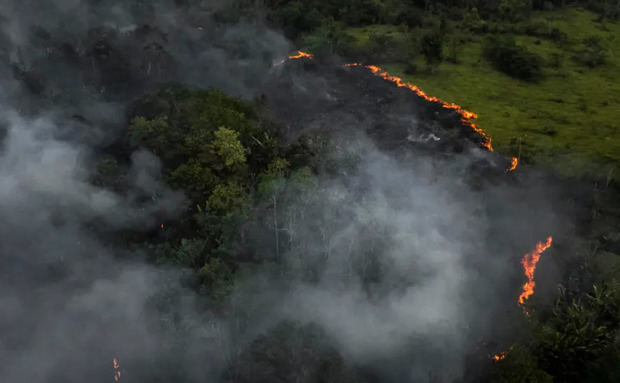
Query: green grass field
[568, 120]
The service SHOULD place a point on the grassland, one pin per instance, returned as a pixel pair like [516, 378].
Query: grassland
[568, 120]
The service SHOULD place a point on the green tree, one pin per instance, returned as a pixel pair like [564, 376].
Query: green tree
[432, 48]
[226, 198]
[515, 10]
[150, 134]
[270, 186]
[518, 366]
[227, 146]
[473, 22]
[594, 53]
[579, 332]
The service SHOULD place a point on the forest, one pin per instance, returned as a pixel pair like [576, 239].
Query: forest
[330, 191]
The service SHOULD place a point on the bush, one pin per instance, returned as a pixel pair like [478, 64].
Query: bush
[473, 22]
[515, 10]
[512, 59]
[594, 53]
[432, 47]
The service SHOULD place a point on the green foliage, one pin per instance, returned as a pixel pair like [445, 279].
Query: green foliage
[473, 22]
[216, 278]
[205, 138]
[329, 39]
[578, 333]
[190, 252]
[515, 10]
[227, 146]
[292, 352]
[273, 181]
[151, 134]
[227, 198]
[512, 59]
[594, 52]
[518, 366]
[108, 173]
[195, 177]
[432, 47]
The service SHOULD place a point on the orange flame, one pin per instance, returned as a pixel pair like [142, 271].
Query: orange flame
[529, 262]
[466, 115]
[300, 55]
[117, 369]
[513, 164]
[499, 356]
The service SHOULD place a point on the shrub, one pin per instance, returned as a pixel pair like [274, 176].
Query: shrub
[473, 22]
[594, 53]
[515, 10]
[432, 47]
[512, 59]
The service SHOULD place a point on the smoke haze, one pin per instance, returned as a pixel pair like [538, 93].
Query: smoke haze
[405, 256]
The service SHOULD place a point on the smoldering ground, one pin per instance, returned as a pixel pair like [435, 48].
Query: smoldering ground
[402, 251]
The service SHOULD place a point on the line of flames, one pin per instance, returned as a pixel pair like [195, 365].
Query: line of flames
[466, 115]
[529, 262]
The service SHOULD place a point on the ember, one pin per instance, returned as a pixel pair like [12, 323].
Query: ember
[117, 369]
[499, 356]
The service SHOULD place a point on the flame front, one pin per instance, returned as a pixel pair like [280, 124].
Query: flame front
[529, 262]
[466, 115]
[117, 369]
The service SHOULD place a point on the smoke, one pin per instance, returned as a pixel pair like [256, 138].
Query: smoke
[404, 264]
[117, 49]
[73, 296]
[402, 251]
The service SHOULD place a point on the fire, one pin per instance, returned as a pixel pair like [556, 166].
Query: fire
[499, 356]
[466, 115]
[117, 369]
[529, 262]
[300, 55]
[513, 164]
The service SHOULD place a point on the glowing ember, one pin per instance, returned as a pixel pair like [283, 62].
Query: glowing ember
[466, 116]
[300, 55]
[529, 262]
[117, 369]
[499, 356]
[513, 164]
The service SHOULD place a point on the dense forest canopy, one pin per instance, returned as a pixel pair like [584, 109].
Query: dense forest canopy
[182, 203]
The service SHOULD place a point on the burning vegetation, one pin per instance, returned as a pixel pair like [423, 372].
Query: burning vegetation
[378, 208]
[467, 117]
[529, 262]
